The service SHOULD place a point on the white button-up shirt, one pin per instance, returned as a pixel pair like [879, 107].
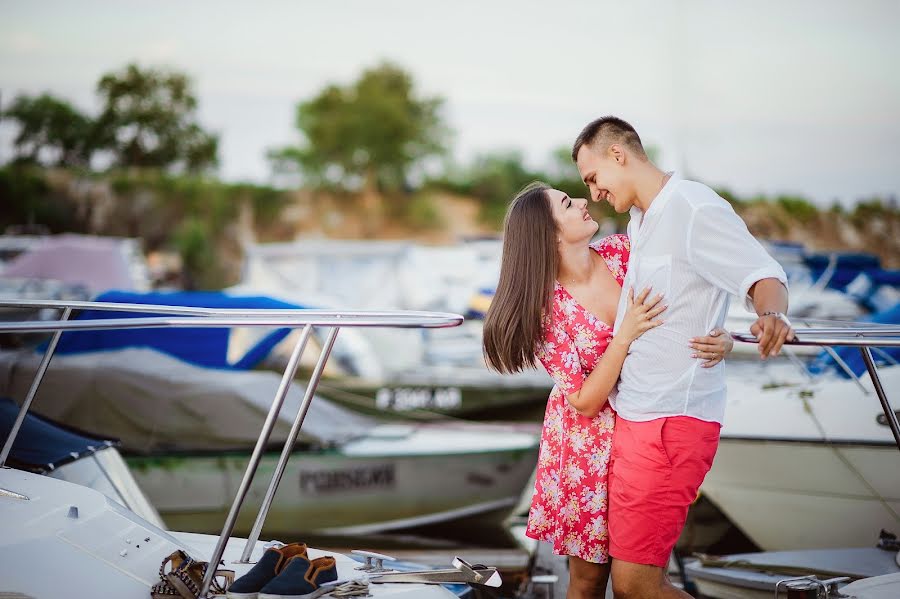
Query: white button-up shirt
[692, 247]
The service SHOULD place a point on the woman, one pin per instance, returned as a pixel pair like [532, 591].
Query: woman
[556, 302]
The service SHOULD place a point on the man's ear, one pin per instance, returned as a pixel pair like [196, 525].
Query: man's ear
[617, 153]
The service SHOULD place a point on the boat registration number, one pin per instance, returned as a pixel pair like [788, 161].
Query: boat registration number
[402, 399]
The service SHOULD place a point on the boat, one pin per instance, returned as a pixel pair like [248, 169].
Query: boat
[805, 573]
[96, 547]
[435, 392]
[793, 457]
[807, 443]
[403, 375]
[94, 263]
[811, 485]
[352, 474]
[398, 374]
[46, 447]
[344, 273]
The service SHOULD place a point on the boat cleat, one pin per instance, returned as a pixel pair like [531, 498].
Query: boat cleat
[374, 561]
[811, 586]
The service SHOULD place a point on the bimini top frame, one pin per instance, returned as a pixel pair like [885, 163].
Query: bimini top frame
[180, 317]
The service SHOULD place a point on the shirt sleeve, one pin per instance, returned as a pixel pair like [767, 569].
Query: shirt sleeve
[560, 358]
[723, 251]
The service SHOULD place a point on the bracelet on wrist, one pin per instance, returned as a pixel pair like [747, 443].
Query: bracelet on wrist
[778, 315]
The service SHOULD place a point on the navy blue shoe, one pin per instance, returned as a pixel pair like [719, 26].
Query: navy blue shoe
[301, 578]
[271, 564]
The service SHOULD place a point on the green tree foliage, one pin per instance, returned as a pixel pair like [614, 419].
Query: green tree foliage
[26, 198]
[51, 131]
[369, 134]
[493, 178]
[148, 120]
[563, 174]
[196, 245]
[798, 207]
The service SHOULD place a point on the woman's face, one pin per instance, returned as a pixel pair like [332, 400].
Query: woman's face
[573, 222]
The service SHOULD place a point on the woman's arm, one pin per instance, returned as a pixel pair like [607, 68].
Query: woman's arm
[594, 393]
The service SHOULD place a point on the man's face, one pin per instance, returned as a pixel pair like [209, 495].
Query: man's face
[605, 178]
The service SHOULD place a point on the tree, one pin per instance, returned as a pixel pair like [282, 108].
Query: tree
[51, 129]
[149, 120]
[562, 173]
[368, 134]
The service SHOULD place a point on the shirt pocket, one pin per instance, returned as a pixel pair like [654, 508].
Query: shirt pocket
[655, 272]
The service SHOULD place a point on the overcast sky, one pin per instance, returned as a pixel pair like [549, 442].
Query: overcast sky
[764, 96]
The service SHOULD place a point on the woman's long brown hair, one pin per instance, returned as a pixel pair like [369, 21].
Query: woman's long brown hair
[512, 326]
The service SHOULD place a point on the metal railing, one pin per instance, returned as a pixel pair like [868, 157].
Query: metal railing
[190, 317]
[865, 337]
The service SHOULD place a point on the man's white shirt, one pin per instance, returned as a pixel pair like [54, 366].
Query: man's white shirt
[692, 247]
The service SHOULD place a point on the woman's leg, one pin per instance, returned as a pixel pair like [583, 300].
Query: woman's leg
[587, 580]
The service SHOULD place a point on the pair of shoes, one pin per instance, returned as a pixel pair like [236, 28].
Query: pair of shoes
[284, 572]
[301, 578]
[185, 578]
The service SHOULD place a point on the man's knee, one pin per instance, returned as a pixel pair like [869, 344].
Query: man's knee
[632, 581]
[629, 587]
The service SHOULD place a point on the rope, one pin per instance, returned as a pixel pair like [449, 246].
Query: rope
[353, 588]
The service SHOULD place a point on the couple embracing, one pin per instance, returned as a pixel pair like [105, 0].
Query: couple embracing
[629, 328]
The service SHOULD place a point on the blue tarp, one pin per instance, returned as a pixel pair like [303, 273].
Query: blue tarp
[206, 347]
[872, 288]
[885, 277]
[852, 356]
[847, 267]
[43, 445]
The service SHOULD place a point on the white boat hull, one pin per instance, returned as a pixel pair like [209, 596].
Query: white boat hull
[426, 474]
[64, 540]
[796, 495]
[808, 466]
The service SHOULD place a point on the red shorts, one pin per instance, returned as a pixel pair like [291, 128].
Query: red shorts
[655, 471]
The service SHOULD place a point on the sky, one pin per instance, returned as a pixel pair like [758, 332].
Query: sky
[761, 97]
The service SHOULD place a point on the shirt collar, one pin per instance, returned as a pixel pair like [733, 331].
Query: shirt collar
[635, 225]
[662, 198]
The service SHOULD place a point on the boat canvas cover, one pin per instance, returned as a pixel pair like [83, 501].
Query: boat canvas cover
[97, 263]
[157, 403]
[43, 445]
[207, 347]
[852, 356]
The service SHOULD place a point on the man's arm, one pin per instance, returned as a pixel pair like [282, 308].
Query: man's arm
[725, 253]
[772, 328]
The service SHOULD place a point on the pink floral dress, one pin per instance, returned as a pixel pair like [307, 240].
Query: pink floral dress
[569, 506]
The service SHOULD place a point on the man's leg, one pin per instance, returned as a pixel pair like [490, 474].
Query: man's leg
[642, 582]
[657, 468]
[587, 580]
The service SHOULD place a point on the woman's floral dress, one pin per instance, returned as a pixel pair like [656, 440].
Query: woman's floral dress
[569, 506]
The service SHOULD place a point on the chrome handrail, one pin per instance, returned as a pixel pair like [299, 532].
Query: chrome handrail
[237, 313]
[192, 317]
[334, 319]
[864, 338]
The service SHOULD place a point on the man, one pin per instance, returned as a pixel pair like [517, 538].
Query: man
[687, 243]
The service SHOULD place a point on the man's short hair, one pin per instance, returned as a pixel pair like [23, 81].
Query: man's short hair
[601, 133]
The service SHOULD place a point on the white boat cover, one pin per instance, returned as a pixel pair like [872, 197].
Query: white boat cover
[97, 263]
[154, 402]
